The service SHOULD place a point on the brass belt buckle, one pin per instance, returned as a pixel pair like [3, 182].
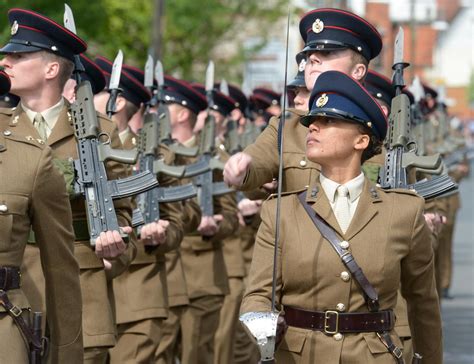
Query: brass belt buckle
[327, 326]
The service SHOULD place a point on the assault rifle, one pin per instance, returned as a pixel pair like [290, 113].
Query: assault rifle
[206, 188]
[150, 160]
[232, 137]
[93, 149]
[401, 154]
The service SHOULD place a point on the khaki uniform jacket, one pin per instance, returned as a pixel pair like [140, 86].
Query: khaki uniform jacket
[390, 243]
[203, 259]
[297, 170]
[34, 194]
[98, 315]
[231, 246]
[141, 292]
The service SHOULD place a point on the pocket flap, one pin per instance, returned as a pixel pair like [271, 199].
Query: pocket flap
[375, 344]
[13, 204]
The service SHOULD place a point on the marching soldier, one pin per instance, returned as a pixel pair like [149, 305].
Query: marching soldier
[40, 56]
[326, 306]
[334, 40]
[32, 194]
[184, 103]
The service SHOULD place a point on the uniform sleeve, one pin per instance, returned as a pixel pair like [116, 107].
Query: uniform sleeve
[259, 290]
[419, 289]
[226, 205]
[173, 213]
[264, 153]
[52, 224]
[191, 216]
[123, 209]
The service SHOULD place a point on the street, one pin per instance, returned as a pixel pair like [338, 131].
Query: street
[458, 313]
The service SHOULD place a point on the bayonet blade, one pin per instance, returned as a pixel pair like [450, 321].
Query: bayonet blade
[224, 87]
[210, 77]
[69, 19]
[149, 72]
[116, 70]
[159, 75]
[399, 44]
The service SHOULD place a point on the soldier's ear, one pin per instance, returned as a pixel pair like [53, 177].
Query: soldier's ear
[358, 71]
[120, 103]
[52, 70]
[183, 114]
[362, 142]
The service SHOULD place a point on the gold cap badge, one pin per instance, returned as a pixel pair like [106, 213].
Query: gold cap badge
[14, 28]
[322, 100]
[318, 26]
[302, 65]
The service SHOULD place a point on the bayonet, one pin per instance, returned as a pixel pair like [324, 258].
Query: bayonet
[224, 87]
[69, 19]
[148, 83]
[114, 84]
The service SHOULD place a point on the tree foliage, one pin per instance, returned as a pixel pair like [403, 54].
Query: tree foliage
[193, 31]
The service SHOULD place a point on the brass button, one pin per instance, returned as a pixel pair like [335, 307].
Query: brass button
[7, 133]
[341, 307]
[40, 141]
[3, 208]
[344, 244]
[345, 276]
[338, 336]
[303, 163]
[15, 120]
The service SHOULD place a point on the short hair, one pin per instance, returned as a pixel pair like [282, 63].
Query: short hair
[359, 58]
[375, 144]
[130, 109]
[66, 67]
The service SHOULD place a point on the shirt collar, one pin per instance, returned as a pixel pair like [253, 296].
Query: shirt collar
[50, 115]
[354, 186]
[124, 134]
[191, 142]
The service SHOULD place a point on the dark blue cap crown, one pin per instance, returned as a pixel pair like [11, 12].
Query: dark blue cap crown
[332, 29]
[222, 103]
[180, 92]
[337, 95]
[236, 93]
[93, 74]
[298, 81]
[33, 32]
[132, 89]
[380, 87]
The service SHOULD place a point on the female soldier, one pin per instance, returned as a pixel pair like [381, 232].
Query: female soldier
[335, 313]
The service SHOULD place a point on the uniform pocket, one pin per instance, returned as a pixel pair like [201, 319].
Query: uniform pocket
[294, 340]
[376, 346]
[11, 207]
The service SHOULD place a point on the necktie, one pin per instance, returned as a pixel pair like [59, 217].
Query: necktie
[40, 125]
[342, 208]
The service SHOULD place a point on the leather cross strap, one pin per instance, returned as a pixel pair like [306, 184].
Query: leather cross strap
[16, 314]
[346, 256]
[331, 322]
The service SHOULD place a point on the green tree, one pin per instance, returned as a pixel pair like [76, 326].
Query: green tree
[193, 31]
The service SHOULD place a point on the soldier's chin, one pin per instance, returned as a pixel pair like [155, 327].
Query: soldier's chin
[314, 156]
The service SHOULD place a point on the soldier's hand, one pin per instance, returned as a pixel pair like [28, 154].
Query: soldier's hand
[236, 169]
[154, 234]
[109, 244]
[249, 207]
[209, 225]
[434, 221]
[282, 327]
[271, 187]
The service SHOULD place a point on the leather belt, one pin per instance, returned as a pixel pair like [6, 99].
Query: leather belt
[10, 278]
[331, 322]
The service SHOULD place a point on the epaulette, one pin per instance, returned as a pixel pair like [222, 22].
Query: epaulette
[39, 143]
[286, 193]
[7, 110]
[403, 191]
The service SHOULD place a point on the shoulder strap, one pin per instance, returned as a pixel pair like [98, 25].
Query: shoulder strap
[347, 258]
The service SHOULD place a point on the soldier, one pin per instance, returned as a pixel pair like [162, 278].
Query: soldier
[297, 90]
[334, 40]
[141, 294]
[40, 56]
[184, 103]
[326, 314]
[33, 194]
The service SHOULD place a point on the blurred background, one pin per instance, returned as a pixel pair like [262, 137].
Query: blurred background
[246, 39]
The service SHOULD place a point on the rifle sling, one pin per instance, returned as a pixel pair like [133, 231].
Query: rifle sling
[370, 295]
